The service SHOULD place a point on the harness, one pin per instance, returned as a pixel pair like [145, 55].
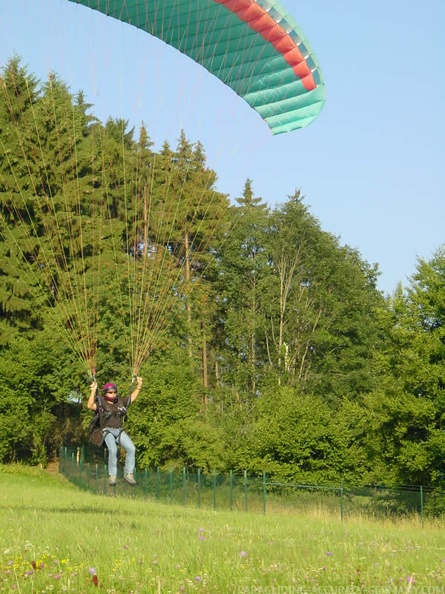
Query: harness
[97, 429]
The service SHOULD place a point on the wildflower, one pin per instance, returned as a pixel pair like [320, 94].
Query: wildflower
[92, 571]
[243, 554]
[329, 553]
[198, 578]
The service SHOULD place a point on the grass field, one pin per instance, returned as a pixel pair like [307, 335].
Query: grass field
[55, 538]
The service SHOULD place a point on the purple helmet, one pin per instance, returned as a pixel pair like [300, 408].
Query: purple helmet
[109, 386]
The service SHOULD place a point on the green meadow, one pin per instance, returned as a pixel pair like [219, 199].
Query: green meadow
[56, 538]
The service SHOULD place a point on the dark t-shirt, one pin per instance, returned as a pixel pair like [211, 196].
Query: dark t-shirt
[111, 414]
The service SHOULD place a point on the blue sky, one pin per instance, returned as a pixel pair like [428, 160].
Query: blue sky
[371, 166]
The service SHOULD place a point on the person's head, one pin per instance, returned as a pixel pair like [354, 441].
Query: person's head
[110, 391]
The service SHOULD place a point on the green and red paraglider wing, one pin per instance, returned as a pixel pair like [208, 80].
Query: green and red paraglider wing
[253, 46]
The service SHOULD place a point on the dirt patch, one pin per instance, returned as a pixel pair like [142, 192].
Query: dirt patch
[52, 467]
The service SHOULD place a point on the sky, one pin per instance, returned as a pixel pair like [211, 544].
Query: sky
[371, 166]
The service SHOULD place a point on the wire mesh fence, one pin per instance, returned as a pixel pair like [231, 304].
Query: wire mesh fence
[243, 492]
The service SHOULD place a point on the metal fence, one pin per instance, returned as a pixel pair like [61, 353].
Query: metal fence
[243, 492]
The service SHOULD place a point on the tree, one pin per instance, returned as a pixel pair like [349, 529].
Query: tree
[243, 266]
[405, 418]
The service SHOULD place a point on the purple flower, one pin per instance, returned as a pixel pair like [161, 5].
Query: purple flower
[243, 554]
[329, 554]
[92, 571]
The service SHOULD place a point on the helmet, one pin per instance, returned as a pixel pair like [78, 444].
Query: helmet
[109, 386]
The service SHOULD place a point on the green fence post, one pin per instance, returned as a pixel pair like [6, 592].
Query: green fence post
[246, 501]
[264, 493]
[199, 487]
[184, 479]
[158, 484]
[341, 500]
[105, 478]
[97, 478]
[145, 482]
[421, 503]
[214, 490]
[231, 490]
[72, 475]
[171, 485]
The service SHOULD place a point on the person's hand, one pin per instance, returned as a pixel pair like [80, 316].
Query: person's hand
[139, 381]
[93, 386]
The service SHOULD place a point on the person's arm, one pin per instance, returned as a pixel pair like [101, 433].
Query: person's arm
[137, 389]
[91, 404]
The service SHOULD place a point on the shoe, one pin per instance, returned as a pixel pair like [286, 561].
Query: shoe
[130, 479]
[112, 480]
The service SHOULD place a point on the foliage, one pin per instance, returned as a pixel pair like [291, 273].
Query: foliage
[34, 400]
[263, 342]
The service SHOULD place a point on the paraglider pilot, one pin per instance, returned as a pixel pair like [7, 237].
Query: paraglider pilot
[112, 410]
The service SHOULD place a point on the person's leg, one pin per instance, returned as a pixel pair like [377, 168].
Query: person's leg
[130, 450]
[110, 440]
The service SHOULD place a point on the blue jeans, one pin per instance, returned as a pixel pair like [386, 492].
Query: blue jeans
[112, 440]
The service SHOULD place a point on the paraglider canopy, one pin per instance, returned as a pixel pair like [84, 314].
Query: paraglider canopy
[253, 46]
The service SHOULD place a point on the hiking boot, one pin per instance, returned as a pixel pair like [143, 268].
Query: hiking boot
[130, 479]
[112, 480]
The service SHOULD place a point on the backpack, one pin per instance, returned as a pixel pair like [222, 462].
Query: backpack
[95, 433]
